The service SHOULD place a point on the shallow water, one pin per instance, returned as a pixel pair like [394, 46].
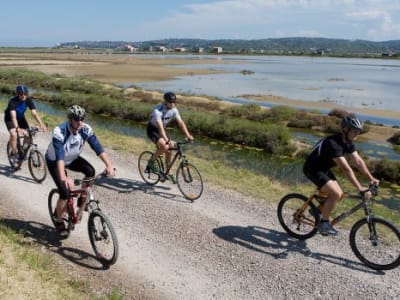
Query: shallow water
[351, 82]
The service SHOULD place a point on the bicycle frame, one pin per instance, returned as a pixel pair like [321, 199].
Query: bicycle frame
[179, 155]
[320, 199]
[21, 141]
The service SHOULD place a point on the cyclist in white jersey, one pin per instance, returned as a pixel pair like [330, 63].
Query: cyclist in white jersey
[160, 117]
[63, 152]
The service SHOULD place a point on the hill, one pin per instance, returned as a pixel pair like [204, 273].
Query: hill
[294, 45]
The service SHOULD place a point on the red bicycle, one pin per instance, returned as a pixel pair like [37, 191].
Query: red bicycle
[102, 235]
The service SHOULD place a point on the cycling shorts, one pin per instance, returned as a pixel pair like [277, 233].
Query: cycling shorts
[152, 133]
[320, 178]
[22, 123]
[78, 165]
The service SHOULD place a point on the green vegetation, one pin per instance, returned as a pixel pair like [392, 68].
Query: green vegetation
[26, 272]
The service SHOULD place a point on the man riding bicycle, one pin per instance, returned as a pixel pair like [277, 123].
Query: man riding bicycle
[63, 152]
[14, 116]
[327, 153]
[160, 117]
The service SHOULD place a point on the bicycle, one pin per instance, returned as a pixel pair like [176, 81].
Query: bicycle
[188, 177]
[27, 149]
[374, 241]
[102, 235]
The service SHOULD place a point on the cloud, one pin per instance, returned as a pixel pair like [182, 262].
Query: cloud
[272, 18]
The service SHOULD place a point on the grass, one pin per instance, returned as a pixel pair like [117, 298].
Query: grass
[28, 273]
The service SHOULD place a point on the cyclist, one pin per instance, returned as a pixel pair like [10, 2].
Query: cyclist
[160, 117]
[64, 151]
[327, 153]
[14, 116]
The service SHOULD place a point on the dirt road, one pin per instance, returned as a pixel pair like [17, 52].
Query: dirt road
[224, 246]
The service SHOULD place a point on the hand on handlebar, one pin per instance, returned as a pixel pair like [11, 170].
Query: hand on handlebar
[109, 172]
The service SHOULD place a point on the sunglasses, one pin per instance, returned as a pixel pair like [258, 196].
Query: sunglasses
[78, 119]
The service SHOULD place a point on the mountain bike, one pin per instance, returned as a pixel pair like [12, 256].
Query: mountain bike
[101, 232]
[188, 177]
[27, 149]
[375, 241]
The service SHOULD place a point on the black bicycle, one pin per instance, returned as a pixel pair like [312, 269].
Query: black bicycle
[188, 177]
[102, 235]
[375, 241]
[27, 149]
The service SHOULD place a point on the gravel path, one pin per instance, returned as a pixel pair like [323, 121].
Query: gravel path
[224, 246]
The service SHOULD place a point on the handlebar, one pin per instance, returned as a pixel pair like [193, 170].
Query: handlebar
[89, 180]
[373, 188]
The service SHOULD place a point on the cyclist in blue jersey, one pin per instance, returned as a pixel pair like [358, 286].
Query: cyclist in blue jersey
[327, 153]
[160, 117]
[14, 116]
[68, 140]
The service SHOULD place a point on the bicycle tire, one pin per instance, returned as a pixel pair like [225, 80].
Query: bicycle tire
[189, 181]
[301, 224]
[13, 164]
[37, 166]
[147, 175]
[381, 251]
[101, 233]
[53, 197]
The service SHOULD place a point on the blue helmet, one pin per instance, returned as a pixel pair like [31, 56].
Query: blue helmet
[22, 90]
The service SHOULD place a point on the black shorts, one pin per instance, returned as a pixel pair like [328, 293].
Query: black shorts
[153, 133]
[78, 165]
[22, 123]
[320, 178]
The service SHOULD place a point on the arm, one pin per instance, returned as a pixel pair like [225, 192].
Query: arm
[362, 167]
[348, 171]
[161, 130]
[38, 119]
[109, 166]
[184, 129]
[13, 115]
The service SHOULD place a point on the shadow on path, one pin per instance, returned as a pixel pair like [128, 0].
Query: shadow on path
[279, 245]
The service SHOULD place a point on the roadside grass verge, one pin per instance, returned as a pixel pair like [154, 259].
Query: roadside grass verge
[26, 272]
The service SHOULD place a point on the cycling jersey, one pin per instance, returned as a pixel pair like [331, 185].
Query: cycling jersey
[162, 113]
[67, 146]
[20, 106]
[323, 153]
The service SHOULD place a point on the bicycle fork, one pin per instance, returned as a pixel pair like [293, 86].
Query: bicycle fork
[187, 176]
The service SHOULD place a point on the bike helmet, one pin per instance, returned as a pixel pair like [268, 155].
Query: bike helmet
[76, 112]
[170, 97]
[21, 90]
[351, 121]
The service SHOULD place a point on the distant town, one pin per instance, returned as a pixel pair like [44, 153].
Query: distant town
[280, 46]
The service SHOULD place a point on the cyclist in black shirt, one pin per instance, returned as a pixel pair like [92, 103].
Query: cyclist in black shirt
[14, 116]
[327, 153]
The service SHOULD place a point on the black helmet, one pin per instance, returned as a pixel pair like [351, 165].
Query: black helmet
[351, 121]
[170, 97]
[21, 90]
[76, 112]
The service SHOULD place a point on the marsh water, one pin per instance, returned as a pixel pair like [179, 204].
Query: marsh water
[351, 82]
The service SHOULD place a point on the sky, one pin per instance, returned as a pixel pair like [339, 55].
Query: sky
[45, 23]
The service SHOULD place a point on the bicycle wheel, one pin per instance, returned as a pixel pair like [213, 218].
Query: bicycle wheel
[37, 165]
[145, 172]
[296, 217]
[102, 237]
[14, 163]
[189, 181]
[376, 243]
[54, 195]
